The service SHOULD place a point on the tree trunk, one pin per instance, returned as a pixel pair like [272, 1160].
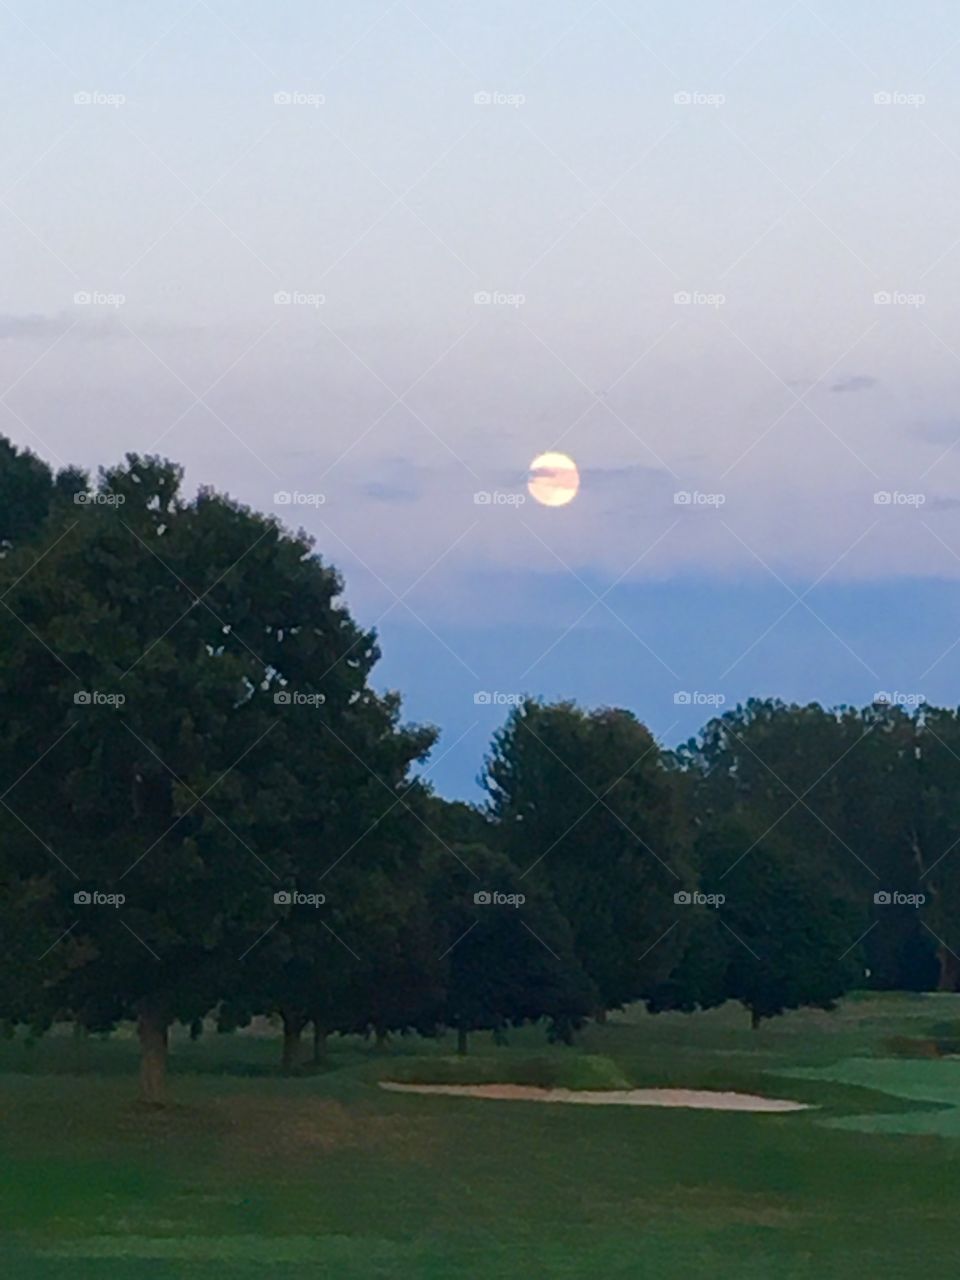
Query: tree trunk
[293, 1025]
[319, 1044]
[600, 1016]
[152, 1029]
[754, 1019]
[461, 1041]
[949, 969]
[381, 1041]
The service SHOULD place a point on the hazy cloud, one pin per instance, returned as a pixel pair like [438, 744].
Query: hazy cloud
[858, 382]
[32, 326]
[945, 431]
[614, 476]
[400, 481]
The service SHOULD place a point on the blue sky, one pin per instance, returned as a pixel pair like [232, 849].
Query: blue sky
[785, 165]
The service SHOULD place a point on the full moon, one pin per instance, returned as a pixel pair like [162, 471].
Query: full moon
[554, 479]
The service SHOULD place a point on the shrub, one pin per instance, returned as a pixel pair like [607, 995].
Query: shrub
[584, 1071]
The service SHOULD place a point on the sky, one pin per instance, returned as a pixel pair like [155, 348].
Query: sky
[379, 256]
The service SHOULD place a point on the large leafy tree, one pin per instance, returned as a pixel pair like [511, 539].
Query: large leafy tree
[349, 950]
[195, 613]
[586, 806]
[507, 952]
[28, 490]
[937, 844]
[839, 789]
[770, 934]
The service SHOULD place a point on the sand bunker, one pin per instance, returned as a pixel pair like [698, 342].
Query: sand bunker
[698, 1099]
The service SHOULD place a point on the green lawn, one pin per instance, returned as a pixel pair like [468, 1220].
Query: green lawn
[249, 1174]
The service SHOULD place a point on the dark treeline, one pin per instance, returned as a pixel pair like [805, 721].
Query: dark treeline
[207, 811]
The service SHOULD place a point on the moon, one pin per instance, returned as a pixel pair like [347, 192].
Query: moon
[553, 480]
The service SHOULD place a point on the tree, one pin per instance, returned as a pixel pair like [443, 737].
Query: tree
[142, 650]
[769, 934]
[351, 831]
[456, 822]
[585, 802]
[937, 765]
[839, 789]
[28, 490]
[508, 953]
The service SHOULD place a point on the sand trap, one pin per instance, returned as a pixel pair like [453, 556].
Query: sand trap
[698, 1099]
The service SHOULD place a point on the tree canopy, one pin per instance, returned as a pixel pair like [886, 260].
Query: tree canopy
[208, 809]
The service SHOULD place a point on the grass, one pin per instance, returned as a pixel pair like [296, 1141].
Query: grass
[327, 1173]
[566, 1071]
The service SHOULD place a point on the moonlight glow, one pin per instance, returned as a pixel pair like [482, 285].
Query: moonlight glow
[554, 479]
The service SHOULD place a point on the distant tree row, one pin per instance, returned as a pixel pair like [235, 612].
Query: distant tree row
[207, 810]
